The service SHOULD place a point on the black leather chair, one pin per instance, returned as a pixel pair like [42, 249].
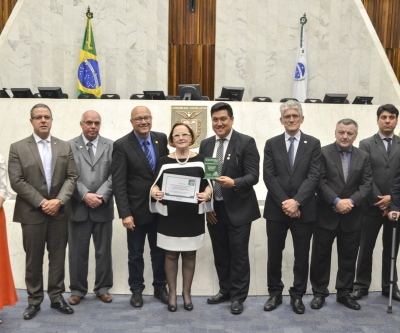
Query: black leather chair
[261, 99]
[110, 96]
[86, 96]
[283, 100]
[137, 96]
[313, 100]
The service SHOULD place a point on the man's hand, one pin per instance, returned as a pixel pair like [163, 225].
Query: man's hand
[384, 202]
[290, 208]
[385, 212]
[343, 206]
[212, 217]
[51, 207]
[225, 181]
[93, 200]
[128, 222]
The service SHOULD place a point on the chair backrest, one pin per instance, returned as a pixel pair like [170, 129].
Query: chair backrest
[110, 96]
[204, 98]
[137, 96]
[283, 100]
[261, 99]
[86, 96]
[313, 100]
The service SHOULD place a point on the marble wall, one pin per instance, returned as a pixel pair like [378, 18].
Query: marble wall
[256, 43]
[260, 120]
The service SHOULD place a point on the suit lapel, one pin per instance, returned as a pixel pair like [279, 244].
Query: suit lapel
[283, 151]
[353, 162]
[229, 151]
[337, 160]
[381, 147]
[35, 152]
[300, 150]
[395, 146]
[209, 149]
[80, 145]
[54, 154]
[135, 144]
[101, 147]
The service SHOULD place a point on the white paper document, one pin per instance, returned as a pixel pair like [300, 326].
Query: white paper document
[180, 188]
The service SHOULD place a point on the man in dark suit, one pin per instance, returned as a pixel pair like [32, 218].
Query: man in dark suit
[235, 205]
[43, 174]
[291, 174]
[93, 211]
[384, 153]
[134, 161]
[345, 183]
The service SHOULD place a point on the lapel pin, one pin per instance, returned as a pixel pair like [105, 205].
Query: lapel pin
[305, 141]
[156, 142]
[80, 147]
[228, 158]
[55, 143]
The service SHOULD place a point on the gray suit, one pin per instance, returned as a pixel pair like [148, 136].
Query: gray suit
[86, 221]
[383, 172]
[27, 179]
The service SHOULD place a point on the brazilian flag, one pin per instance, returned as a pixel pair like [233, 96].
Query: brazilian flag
[88, 72]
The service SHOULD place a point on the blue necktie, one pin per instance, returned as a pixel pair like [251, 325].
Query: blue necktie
[47, 164]
[291, 152]
[148, 155]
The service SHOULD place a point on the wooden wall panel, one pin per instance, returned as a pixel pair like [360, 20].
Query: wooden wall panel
[6, 7]
[191, 45]
[384, 15]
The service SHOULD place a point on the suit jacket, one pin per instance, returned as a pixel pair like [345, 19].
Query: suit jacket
[93, 179]
[358, 187]
[282, 184]
[241, 163]
[384, 169]
[27, 179]
[132, 176]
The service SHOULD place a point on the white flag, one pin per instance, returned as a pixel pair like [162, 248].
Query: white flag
[300, 74]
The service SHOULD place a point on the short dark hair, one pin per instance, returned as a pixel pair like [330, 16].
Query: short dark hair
[222, 106]
[389, 108]
[178, 123]
[347, 121]
[40, 105]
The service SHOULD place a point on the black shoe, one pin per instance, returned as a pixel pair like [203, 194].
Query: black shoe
[188, 307]
[348, 302]
[358, 294]
[297, 305]
[136, 300]
[218, 298]
[395, 295]
[161, 294]
[317, 302]
[31, 311]
[272, 303]
[237, 307]
[172, 308]
[62, 306]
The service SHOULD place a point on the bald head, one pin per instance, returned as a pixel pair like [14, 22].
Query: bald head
[141, 121]
[90, 124]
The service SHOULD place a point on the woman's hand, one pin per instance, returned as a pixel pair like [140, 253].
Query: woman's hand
[156, 194]
[203, 197]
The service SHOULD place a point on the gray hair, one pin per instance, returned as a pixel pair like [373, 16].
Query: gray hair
[40, 105]
[291, 104]
[347, 121]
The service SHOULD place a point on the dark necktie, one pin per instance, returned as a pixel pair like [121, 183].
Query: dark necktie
[345, 165]
[46, 164]
[389, 145]
[291, 152]
[90, 151]
[148, 155]
[220, 155]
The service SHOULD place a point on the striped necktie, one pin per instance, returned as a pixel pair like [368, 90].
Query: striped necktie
[220, 155]
[148, 155]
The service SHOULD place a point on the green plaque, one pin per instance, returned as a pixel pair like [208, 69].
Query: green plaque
[211, 165]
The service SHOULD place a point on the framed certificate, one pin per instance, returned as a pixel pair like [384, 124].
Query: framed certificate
[180, 188]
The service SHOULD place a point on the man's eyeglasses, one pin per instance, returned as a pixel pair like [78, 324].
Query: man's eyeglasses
[90, 123]
[40, 117]
[140, 119]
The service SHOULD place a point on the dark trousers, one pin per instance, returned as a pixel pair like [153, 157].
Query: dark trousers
[230, 245]
[369, 234]
[347, 249]
[78, 250]
[52, 234]
[136, 240]
[301, 235]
